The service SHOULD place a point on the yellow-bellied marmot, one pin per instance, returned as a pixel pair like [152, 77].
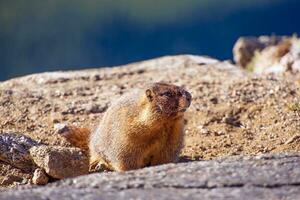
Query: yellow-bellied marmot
[143, 128]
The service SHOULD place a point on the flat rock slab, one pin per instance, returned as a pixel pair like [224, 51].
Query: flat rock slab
[273, 176]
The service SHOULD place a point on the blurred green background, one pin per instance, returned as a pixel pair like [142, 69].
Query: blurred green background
[47, 35]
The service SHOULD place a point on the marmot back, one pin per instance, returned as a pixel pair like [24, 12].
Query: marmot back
[142, 128]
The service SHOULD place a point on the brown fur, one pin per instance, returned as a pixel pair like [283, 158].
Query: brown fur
[78, 137]
[141, 129]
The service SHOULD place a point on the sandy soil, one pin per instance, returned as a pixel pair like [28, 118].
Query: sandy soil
[232, 112]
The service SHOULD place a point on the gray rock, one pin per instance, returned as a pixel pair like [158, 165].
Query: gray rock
[14, 149]
[60, 162]
[245, 47]
[264, 55]
[274, 176]
[10, 179]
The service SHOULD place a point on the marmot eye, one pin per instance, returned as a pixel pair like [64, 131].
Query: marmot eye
[167, 94]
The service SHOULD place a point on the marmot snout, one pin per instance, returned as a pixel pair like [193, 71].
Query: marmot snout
[141, 129]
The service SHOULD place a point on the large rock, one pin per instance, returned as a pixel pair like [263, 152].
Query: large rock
[268, 54]
[245, 47]
[14, 149]
[260, 177]
[60, 162]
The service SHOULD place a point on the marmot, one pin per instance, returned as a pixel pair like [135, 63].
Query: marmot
[142, 128]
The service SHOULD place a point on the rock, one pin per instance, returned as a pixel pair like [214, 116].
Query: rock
[40, 177]
[245, 47]
[14, 149]
[272, 176]
[10, 179]
[61, 128]
[94, 108]
[268, 60]
[60, 162]
[292, 139]
[268, 54]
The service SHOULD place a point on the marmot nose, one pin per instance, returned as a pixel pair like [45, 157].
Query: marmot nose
[188, 96]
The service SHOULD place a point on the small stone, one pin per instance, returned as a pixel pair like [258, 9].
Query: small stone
[94, 108]
[55, 121]
[214, 100]
[97, 77]
[40, 177]
[292, 139]
[61, 128]
[60, 162]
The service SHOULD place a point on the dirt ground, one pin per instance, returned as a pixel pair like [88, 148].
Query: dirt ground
[232, 112]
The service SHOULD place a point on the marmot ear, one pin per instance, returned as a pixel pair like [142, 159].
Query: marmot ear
[149, 94]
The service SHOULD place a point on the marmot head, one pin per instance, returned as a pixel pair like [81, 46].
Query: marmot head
[168, 99]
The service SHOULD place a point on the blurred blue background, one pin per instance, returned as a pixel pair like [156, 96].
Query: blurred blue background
[47, 35]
